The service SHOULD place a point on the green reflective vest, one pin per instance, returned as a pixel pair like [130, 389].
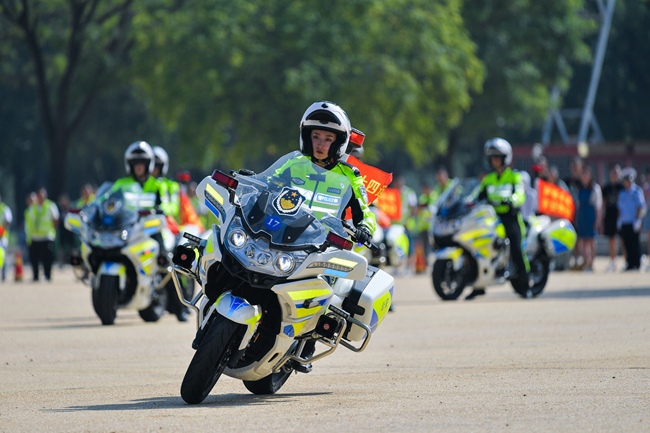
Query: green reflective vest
[39, 222]
[324, 200]
[507, 187]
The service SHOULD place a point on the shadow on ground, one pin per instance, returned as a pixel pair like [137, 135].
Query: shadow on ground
[615, 292]
[225, 400]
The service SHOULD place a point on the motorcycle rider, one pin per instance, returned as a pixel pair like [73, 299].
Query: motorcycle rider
[324, 136]
[504, 189]
[168, 186]
[171, 189]
[139, 161]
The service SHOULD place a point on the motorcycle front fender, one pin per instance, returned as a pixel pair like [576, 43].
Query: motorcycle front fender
[112, 268]
[239, 311]
[455, 254]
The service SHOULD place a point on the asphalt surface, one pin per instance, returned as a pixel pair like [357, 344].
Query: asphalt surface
[575, 359]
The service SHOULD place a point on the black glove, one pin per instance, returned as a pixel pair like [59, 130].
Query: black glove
[363, 236]
[246, 172]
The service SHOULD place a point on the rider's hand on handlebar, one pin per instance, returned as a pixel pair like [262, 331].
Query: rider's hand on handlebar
[363, 236]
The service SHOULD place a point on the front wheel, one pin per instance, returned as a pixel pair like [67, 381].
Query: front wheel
[447, 282]
[212, 356]
[105, 298]
[269, 384]
[537, 278]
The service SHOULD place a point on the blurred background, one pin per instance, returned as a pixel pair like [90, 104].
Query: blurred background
[223, 84]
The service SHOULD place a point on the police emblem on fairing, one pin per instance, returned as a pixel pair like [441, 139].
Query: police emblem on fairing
[288, 202]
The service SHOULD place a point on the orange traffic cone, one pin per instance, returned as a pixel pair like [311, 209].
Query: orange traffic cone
[420, 258]
[18, 267]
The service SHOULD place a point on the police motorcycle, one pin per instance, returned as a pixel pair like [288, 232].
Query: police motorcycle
[391, 241]
[277, 276]
[472, 248]
[119, 258]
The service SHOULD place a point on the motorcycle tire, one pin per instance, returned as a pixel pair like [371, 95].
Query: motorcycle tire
[538, 277]
[157, 307]
[105, 298]
[448, 284]
[269, 384]
[220, 341]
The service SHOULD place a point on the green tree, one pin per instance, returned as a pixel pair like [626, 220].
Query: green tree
[520, 43]
[71, 50]
[233, 78]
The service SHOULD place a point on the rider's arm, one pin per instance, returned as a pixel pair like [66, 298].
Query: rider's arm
[362, 216]
[519, 195]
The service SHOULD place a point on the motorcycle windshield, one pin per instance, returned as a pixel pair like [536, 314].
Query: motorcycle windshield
[295, 202]
[453, 201]
[111, 211]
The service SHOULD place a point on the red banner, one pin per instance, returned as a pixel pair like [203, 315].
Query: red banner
[554, 201]
[390, 202]
[374, 180]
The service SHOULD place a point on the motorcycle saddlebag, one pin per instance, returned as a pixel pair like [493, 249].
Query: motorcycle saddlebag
[559, 237]
[368, 302]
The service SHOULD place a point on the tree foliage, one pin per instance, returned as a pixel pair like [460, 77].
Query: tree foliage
[73, 50]
[232, 78]
[520, 42]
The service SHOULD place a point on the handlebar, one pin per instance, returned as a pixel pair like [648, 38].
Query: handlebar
[353, 231]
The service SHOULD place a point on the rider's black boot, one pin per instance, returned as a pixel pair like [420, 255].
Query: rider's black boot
[474, 294]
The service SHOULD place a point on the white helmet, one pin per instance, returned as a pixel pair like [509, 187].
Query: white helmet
[498, 147]
[327, 116]
[138, 151]
[161, 158]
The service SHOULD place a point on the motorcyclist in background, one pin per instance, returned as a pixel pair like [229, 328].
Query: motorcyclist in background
[504, 189]
[139, 164]
[171, 189]
[168, 186]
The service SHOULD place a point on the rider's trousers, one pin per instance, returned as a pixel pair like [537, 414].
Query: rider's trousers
[515, 229]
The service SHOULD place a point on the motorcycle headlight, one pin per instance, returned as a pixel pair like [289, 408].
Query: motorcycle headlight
[238, 238]
[284, 263]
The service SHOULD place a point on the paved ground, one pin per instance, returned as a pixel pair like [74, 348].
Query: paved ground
[575, 359]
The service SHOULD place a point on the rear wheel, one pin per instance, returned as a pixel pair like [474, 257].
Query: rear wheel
[269, 384]
[212, 356]
[157, 307]
[537, 278]
[447, 282]
[105, 298]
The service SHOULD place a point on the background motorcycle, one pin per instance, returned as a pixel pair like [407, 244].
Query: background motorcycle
[118, 254]
[277, 276]
[473, 249]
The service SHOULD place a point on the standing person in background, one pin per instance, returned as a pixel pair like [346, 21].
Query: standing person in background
[590, 203]
[631, 209]
[424, 215]
[409, 202]
[554, 178]
[574, 184]
[442, 183]
[610, 210]
[646, 219]
[41, 221]
[86, 195]
[6, 217]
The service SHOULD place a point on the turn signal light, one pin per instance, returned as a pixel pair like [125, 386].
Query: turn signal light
[74, 210]
[144, 212]
[357, 137]
[224, 180]
[339, 241]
